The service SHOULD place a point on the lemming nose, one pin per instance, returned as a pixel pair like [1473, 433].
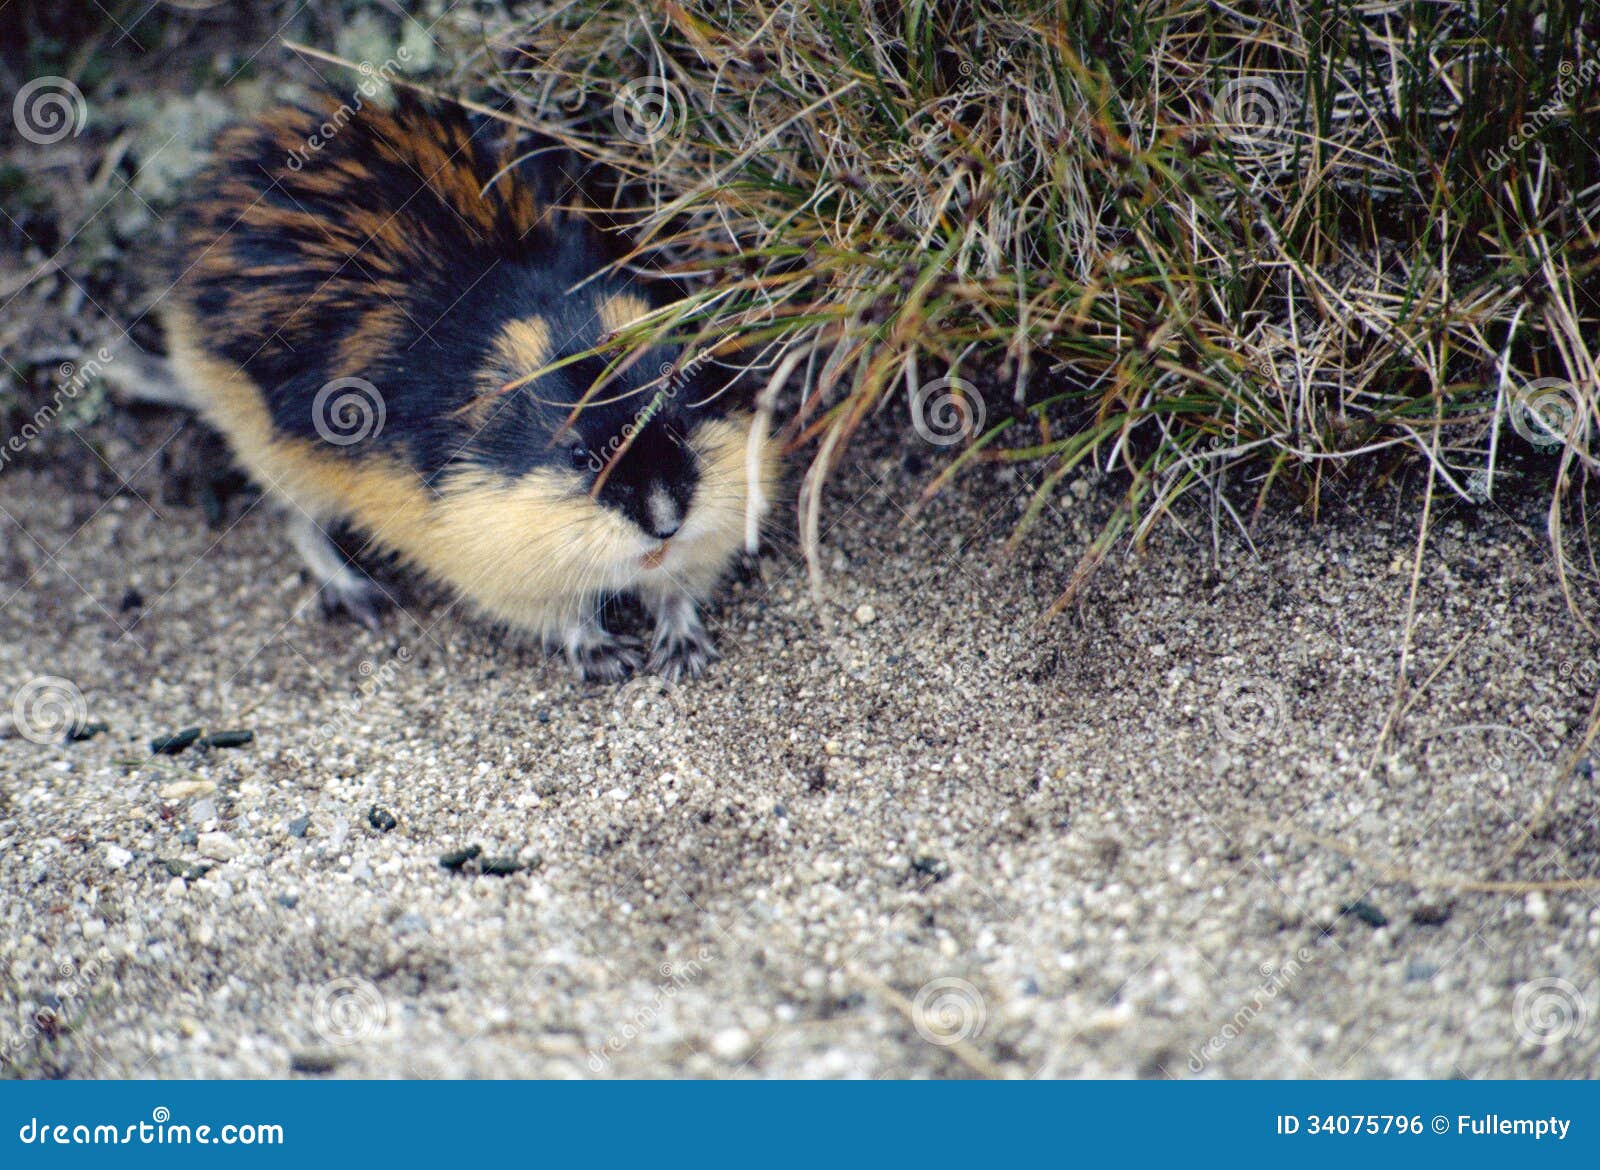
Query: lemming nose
[665, 518]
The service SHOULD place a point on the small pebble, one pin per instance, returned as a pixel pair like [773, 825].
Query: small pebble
[298, 826]
[381, 819]
[865, 615]
[934, 868]
[218, 845]
[733, 1044]
[117, 857]
[184, 789]
[204, 809]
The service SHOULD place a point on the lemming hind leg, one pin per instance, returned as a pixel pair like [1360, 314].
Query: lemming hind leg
[342, 587]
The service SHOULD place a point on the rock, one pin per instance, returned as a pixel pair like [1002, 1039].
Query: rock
[732, 1044]
[381, 819]
[117, 857]
[184, 789]
[865, 615]
[217, 845]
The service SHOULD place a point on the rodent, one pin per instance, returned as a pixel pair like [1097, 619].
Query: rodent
[390, 283]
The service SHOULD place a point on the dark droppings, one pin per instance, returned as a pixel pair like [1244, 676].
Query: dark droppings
[1366, 912]
[171, 745]
[381, 819]
[501, 866]
[935, 869]
[313, 1062]
[226, 739]
[83, 731]
[456, 858]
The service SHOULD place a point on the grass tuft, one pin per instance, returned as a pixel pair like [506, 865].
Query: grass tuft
[1202, 245]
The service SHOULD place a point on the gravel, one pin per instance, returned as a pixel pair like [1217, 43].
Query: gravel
[899, 830]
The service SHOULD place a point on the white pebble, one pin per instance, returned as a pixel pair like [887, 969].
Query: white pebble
[117, 856]
[184, 789]
[218, 845]
[731, 1044]
[865, 615]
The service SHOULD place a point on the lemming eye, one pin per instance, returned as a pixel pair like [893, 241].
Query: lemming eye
[579, 454]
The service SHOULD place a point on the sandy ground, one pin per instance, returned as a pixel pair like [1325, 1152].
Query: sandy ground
[905, 833]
